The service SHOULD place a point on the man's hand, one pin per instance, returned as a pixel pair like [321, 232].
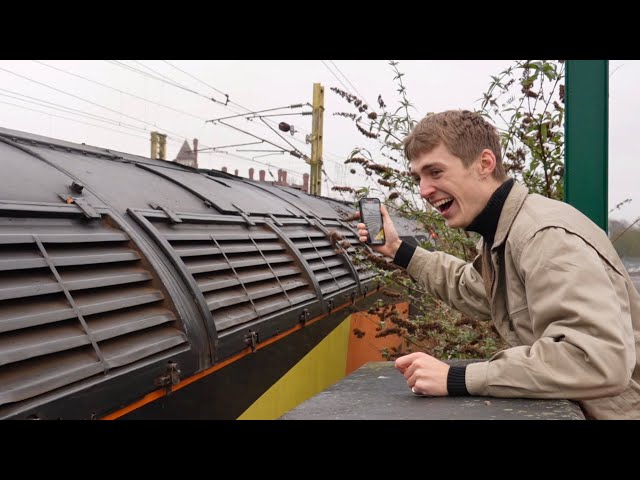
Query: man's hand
[392, 240]
[425, 374]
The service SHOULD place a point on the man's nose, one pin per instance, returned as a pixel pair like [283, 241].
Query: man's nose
[426, 189]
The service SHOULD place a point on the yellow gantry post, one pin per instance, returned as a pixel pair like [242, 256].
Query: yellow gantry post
[154, 145]
[315, 180]
[158, 146]
[162, 146]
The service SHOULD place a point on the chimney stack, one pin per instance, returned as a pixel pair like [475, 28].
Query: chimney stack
[284, 176]
[236, 172]
[251, 174]
[262, 174]
[224, 169]
[195, 151]
[305, 183]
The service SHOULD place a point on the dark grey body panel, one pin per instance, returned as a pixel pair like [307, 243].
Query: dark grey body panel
[120, 274]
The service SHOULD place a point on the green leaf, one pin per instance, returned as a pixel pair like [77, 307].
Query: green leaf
[549, 71]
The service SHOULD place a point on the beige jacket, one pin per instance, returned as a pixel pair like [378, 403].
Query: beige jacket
[563, 301]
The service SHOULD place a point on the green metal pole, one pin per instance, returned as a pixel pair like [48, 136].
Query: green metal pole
[586, 138]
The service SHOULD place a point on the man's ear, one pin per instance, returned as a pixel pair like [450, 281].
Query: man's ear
[487, 162]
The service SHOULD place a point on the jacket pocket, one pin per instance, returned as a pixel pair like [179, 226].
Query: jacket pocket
[519, 320]
[633, 400]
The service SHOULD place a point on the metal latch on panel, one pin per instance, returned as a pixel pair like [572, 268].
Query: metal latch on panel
[316, 217]
[297, 215]
[251, 340]
[304, 316]
[330, 305]
[244, 214]
[170, 377]
[275, 220]
[173, 217]
[351, 297]
[82, 203]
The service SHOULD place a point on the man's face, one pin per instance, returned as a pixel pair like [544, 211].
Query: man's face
[458, 193]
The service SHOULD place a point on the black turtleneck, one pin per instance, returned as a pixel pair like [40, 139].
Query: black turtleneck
[486, 224]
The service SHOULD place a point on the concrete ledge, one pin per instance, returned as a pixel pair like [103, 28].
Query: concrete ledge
[377, 391]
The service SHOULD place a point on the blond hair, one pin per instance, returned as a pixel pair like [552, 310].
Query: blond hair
[465, 134]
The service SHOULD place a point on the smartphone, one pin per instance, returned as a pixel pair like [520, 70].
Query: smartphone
[371, 216]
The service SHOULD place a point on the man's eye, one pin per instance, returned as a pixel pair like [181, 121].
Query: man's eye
[436, 173]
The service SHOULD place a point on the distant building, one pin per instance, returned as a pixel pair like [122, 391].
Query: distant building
[186, 156]
[189, 157]
[282, 179]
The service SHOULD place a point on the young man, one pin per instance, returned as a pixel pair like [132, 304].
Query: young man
[548, 277]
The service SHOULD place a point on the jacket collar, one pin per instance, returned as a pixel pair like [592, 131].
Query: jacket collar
[512, 206]
[486, 223]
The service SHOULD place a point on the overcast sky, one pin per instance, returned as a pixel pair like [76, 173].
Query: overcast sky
[116, 104]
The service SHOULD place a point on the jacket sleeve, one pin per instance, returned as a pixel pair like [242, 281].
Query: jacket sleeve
[579, 313]
[452, 280]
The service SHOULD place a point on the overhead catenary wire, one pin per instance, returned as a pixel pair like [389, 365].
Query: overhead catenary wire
[229, 146]
[287, 142]
[349, 82]
[336, 77]
[172, 82]
[91, 102]
[78, 121]
[175, 84]
[165, 79]
[175, 137]
[294, 152]
[79, 113]
[209, 85]
[266, 154]
[296, 105]
[121, 91]
[257, 150]
[245, 108]
[201, 81]
[278, 115]
[73, 111]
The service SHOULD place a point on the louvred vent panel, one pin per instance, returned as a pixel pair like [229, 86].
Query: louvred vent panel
[75, 301]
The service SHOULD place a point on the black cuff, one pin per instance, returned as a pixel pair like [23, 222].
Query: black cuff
[404, 254]
[456, 385]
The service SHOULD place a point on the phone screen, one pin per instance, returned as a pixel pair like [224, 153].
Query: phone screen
[370, 215]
